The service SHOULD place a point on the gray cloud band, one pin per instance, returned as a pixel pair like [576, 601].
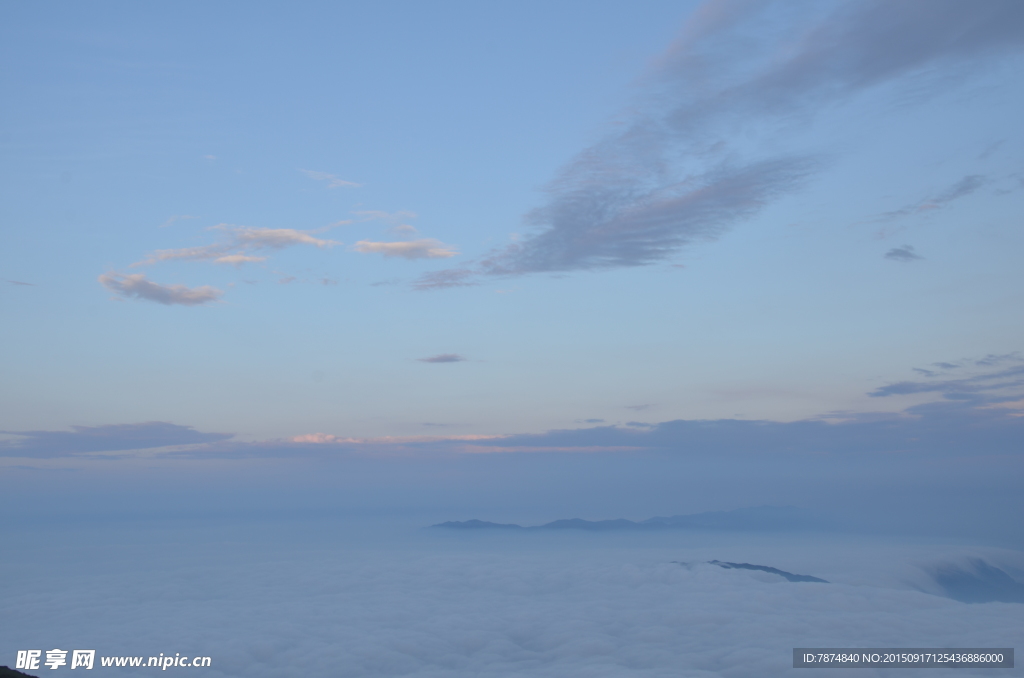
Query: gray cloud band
[675, 175]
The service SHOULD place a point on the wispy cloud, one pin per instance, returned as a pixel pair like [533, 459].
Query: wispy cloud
[179, 217]
[419, 248]
[238, 259]
[275, 238]
[18, 282]
[185, 254]
[992, 379]
[452, 277]
[905, 253]
[393, 218]
[402, 229]
[962, 188]
[443, 358]
[332, 180]
[138, 287]
[241, 240]
[425, 248]
[693, 159]
[320, 438]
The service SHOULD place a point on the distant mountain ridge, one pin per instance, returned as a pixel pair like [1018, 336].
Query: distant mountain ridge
[767, 518]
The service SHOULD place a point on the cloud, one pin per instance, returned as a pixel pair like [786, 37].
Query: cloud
[275, 238]
[241, 239]
[962, 188]
[610, 226]
[905, 253]
[238, 259]
[179, 217]
[988, 386]
[693, 158]
[332, 181]
[201, 253]
[138, 287]
[934, 429]
[993, 359]
[426, 248]
[108, 438]
[319, 438]
[443, 358]
[394, 218]
[452, 277]
[18, 282]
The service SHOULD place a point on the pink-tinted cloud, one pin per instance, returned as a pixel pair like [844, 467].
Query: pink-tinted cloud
[138, 287]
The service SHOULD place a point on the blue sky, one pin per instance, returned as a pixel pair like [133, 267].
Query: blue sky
[351, 224]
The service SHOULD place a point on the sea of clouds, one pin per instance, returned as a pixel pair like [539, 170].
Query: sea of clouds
[337, 598]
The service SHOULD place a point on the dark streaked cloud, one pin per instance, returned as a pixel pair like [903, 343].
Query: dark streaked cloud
[905, 253]
[18, 282]
[109, 438]
[962, 188]
[676, 174]
[998, 359]
[453, 277]
[999, 385]
[934, 429]
[616, 224]
[138, 287]
[443, 358]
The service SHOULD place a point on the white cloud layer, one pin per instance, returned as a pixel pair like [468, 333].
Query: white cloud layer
[323, 601]
[138, 287]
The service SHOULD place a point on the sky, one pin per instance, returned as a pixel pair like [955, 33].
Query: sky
[283, 285]
[418, 233]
